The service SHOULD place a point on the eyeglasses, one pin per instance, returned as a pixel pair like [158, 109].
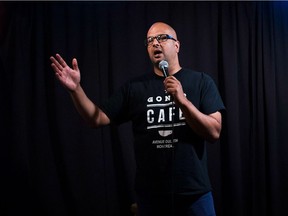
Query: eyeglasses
[160, 38]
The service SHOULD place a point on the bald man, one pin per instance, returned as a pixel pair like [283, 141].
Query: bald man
[173, 115]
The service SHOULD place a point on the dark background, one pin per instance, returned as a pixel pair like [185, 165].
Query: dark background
[52, 163]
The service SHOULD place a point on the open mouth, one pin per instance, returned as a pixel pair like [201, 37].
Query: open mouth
[157, 53]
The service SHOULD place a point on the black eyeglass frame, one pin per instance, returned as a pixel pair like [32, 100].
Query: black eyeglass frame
[158, 38]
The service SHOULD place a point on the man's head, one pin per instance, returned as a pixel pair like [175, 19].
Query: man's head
[162, 44]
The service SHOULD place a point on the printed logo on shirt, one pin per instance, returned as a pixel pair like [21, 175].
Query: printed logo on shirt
[163, 116]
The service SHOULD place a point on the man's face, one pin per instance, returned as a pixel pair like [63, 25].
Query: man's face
[166, 49]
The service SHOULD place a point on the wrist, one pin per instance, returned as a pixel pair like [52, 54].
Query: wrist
[182, 101]
[75, 90]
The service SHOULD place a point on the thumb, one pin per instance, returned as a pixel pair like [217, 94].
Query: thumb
[75, 64]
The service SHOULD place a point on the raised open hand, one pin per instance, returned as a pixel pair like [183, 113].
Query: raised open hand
[69, 78]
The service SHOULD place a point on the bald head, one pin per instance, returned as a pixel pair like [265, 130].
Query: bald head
[163, 28]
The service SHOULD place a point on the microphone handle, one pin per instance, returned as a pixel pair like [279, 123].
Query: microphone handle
[165, 71]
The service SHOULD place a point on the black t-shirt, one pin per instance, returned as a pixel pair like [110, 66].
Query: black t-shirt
[169, 155]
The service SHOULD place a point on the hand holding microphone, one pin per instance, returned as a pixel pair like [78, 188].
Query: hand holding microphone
[172, 85]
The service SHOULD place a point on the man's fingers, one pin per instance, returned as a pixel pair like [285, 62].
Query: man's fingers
[170, 80]
[56, 64]
[56, 69]
[75, 64]
[61, 60]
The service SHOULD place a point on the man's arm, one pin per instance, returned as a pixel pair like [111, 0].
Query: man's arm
[91, 113]
[207, 126]
[70, 79]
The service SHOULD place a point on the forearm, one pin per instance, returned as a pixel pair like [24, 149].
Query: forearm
[91, 113]
[207, 126]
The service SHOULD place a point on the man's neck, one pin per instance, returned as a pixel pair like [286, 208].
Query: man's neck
[172, 70]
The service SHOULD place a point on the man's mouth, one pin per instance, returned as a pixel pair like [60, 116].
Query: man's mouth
[157, 53]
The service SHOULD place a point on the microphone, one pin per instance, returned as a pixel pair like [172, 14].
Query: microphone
[163, 65]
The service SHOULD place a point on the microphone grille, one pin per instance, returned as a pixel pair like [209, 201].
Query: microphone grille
[164, 64]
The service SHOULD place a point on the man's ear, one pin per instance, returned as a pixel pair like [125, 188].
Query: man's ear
[177, 44]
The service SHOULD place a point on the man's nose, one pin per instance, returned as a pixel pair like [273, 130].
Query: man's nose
[155, 42]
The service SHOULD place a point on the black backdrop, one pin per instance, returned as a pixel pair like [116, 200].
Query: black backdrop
[52, 163]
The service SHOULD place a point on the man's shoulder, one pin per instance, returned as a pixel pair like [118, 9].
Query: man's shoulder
[187, 73]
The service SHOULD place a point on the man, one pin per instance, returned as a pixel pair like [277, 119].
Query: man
[171, 116]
